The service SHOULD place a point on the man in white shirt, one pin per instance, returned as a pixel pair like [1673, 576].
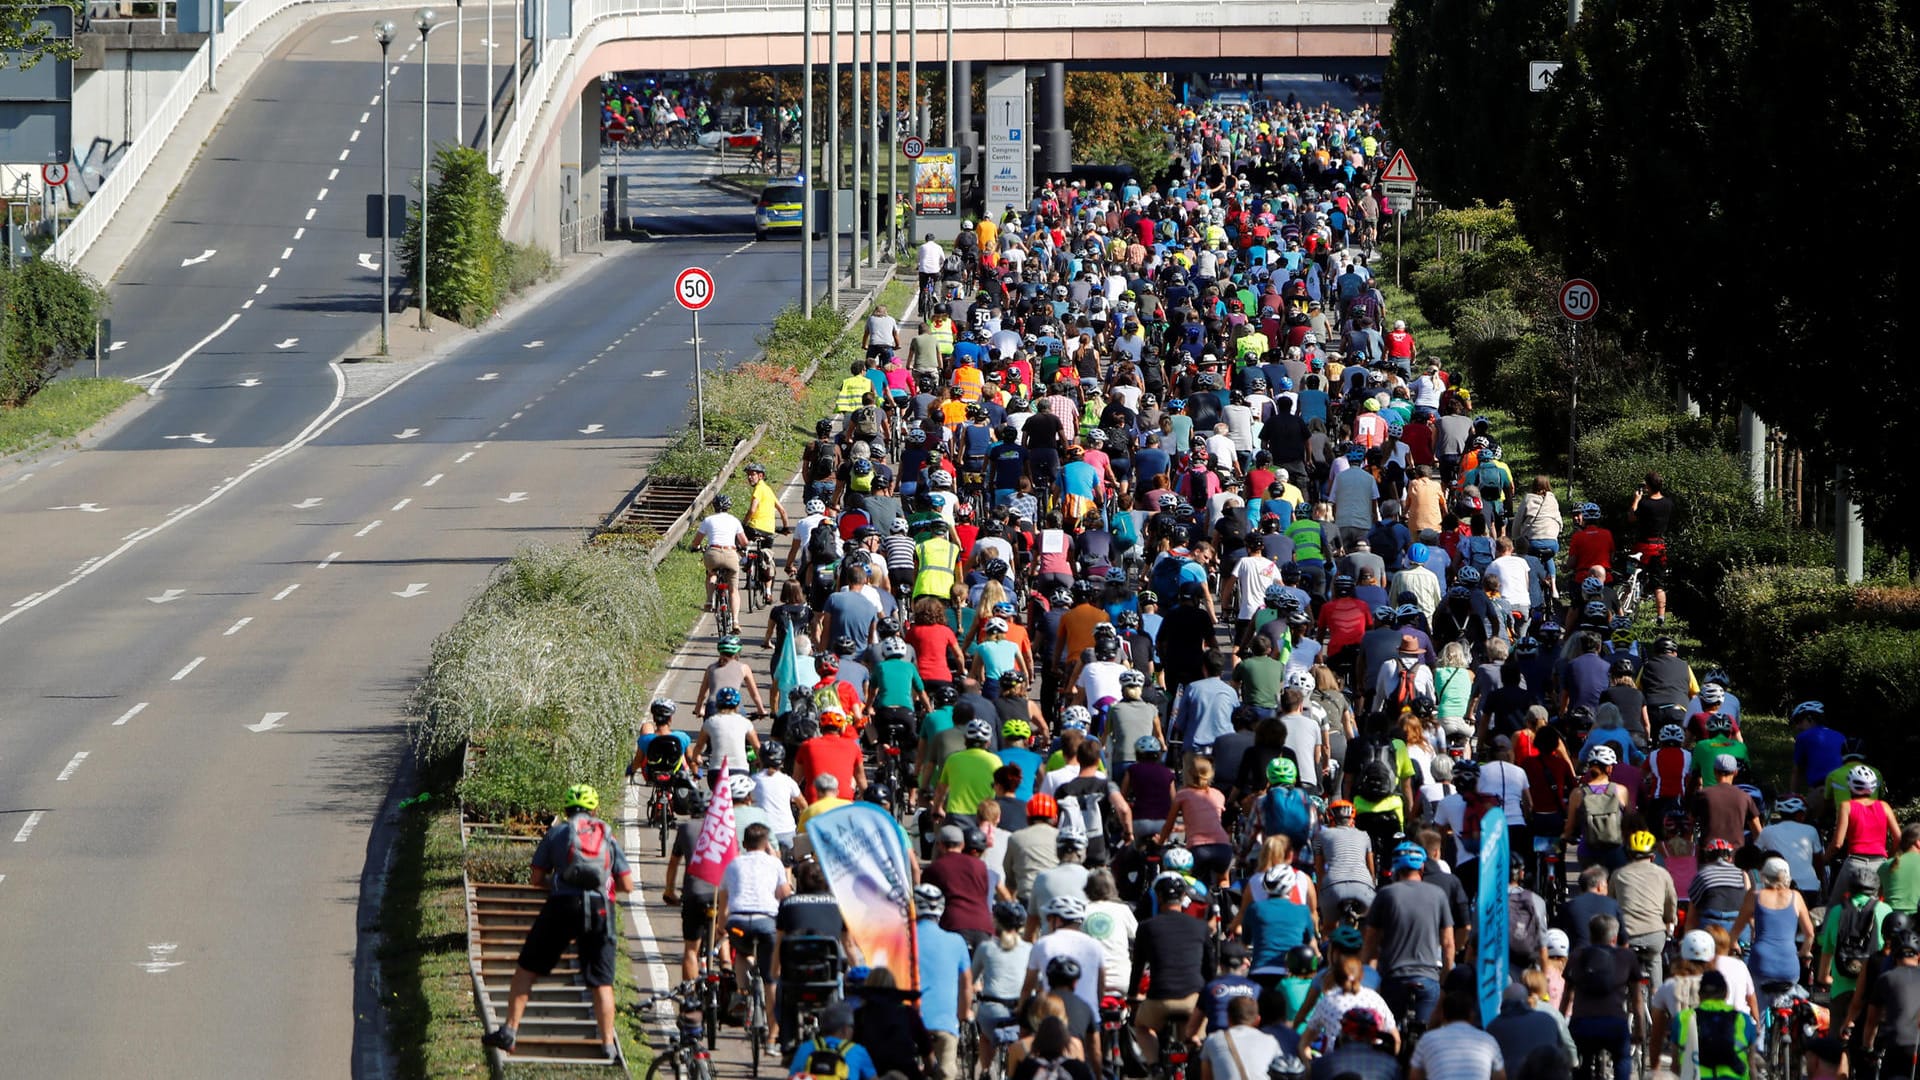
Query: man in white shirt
[719, 538]
[749, 897]
[1226, 456]
[1514, 574]
[778, 795]
[1252, 576]
[803, 531]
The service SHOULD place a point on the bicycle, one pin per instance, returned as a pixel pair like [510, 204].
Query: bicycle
[1783, 1024]
[660, 807]
[744, 950]
[757, 568]
[723, 615]
[685, 1057]
[1633, 587]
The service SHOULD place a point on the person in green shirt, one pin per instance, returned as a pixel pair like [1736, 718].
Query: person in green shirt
[1861, 892]
[1836, 786]
[940, 717]
[966, 778]
[1900, 875]
[1714, 1037]
[896, 680]
[1708, 750]
[1260, 677]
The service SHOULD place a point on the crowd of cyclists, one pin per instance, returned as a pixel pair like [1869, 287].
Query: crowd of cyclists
[1185, 613]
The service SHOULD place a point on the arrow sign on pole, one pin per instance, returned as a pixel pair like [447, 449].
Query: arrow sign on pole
[1540, 75]
[408, 434]
[413, 589]
[518, 496]
[167, 597]
[592, 429]
[308, 503]
[367, 262]
[268, 722]
[200, 258]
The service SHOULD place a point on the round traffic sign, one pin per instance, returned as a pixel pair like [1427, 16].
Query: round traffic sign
[54, 174]
[1579, 300]
[693, 288]
[913, 146]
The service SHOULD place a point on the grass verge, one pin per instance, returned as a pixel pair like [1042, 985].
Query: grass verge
[431, 1017]
[64, 409]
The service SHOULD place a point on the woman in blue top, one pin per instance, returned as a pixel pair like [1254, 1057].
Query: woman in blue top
[1778, 914]
[994, 656]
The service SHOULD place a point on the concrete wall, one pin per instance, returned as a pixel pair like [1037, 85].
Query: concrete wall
[117, 81]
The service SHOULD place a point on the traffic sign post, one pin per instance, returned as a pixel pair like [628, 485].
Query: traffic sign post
[1540, 75]
[1579, 300]
[693, 287]
[912, 147]
[1399, 182]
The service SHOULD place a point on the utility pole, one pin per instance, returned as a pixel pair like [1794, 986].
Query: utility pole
[854, 122]
[873, 133]
[807, 180]
[490, 33]
[831, 166]
[913, 65]
[953, 139]
[459, 67]
[893, 126]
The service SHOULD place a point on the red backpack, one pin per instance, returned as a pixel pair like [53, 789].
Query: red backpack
[589, 856]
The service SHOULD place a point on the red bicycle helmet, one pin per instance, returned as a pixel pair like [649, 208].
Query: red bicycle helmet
[1042, 806]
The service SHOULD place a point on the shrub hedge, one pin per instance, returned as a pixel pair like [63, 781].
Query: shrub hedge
[48, 314]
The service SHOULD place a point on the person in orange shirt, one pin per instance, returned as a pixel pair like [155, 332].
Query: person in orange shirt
[968, 382]
[1076, 626]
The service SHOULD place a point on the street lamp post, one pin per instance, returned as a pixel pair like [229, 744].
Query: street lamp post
[893, 128]
[831, 163]
[383, 33]
[459, 81]
[855, 113]
[873, 132]
[806, 159]
[425, 20]
[913, 64]
[489, 92]
[952, 139]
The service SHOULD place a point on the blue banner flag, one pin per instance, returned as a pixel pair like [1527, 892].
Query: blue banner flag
[1491, 934]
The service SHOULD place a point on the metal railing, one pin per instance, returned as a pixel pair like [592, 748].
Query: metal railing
[80, 234]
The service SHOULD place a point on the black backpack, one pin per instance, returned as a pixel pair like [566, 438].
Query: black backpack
[826, 458]
[823, 545]
[1854, 943]
[1375, 781]
[1716, 1042]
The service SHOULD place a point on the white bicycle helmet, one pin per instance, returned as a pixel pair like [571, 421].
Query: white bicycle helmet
[979, 731]
[1555, 942]
[1066, 908]
[941, 479]
[1301, 681]
[741, 788]
[816, 506]
[1177, 859]
[893, 649]
[1862, 780]
[1076, 718]
[1603, 755]
[1697, 946]
[929, 902]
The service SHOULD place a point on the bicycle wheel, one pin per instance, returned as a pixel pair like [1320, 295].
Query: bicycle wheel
[723, 610]
[666, 826]
[671, 1061]
[757, 1023]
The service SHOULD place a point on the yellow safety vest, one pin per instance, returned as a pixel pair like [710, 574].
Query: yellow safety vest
[852, 391]
[937, 556]
[942, 331]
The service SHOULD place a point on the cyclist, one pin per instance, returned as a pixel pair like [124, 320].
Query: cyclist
[1602, 994]
[746, 903]
[946, 980]
[764, 512]
[1648, 904]
[719, 538]
[1170, 952]
[1410, 933]
[662, 753]
[727, 739]
[729, 672]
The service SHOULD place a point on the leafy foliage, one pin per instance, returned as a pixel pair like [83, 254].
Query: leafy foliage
[48, 324]
[20, 33]
[470, 267]
[1120, 116]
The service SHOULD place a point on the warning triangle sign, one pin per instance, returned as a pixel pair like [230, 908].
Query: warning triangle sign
[1399, 170]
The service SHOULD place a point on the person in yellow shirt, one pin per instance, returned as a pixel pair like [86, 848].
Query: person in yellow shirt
[764, 511]
[986, 232]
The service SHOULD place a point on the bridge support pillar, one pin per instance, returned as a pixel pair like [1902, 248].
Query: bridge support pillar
[1056, 144]
[589, 211]
[967, 133]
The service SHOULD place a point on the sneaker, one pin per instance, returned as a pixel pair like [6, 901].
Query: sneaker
[501, 1039]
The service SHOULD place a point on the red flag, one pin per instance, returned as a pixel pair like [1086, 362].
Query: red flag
[717, 844]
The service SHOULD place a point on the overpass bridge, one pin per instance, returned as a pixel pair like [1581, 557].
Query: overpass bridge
[545, 147]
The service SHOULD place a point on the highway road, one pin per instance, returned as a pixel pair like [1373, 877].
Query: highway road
[209, 623]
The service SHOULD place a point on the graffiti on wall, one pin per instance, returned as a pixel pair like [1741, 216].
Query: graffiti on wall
[91, 169]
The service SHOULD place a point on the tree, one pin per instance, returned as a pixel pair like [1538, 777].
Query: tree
[1456, 90]
[465, 251]
[28, 39]
[47, 322]
[1120, 117]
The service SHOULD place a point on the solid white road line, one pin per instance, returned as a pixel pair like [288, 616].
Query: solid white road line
[167, 372]
[188, 670]
[642, 925]
[130, 714]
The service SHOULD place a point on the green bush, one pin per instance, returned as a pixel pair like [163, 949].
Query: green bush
[1766, 615]
[491, 861]
[465, 253]
[49, 320]
[686, 459]
[1866, 675]
[521, 267]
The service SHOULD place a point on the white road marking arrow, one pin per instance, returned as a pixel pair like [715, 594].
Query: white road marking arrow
[268, 722]
[413, 589]
[200, 258]
[157, 962]
[116, 346]
[85, 508]
[655, 374]
[488, 377]
[287, 344]
[367, 262]
[249, 382]
[592, 429]
[534, 344]
[349, 39]
[408, 434]
[167, 597]
[308, 503]
[198, 436]
[518, 496]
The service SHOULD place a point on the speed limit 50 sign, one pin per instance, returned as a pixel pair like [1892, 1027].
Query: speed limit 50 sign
[693, 288]
[1579, 300]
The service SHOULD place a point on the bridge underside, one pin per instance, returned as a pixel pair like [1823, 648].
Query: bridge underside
[1261, 48]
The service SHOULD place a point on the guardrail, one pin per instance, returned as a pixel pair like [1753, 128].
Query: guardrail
[80, 234]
